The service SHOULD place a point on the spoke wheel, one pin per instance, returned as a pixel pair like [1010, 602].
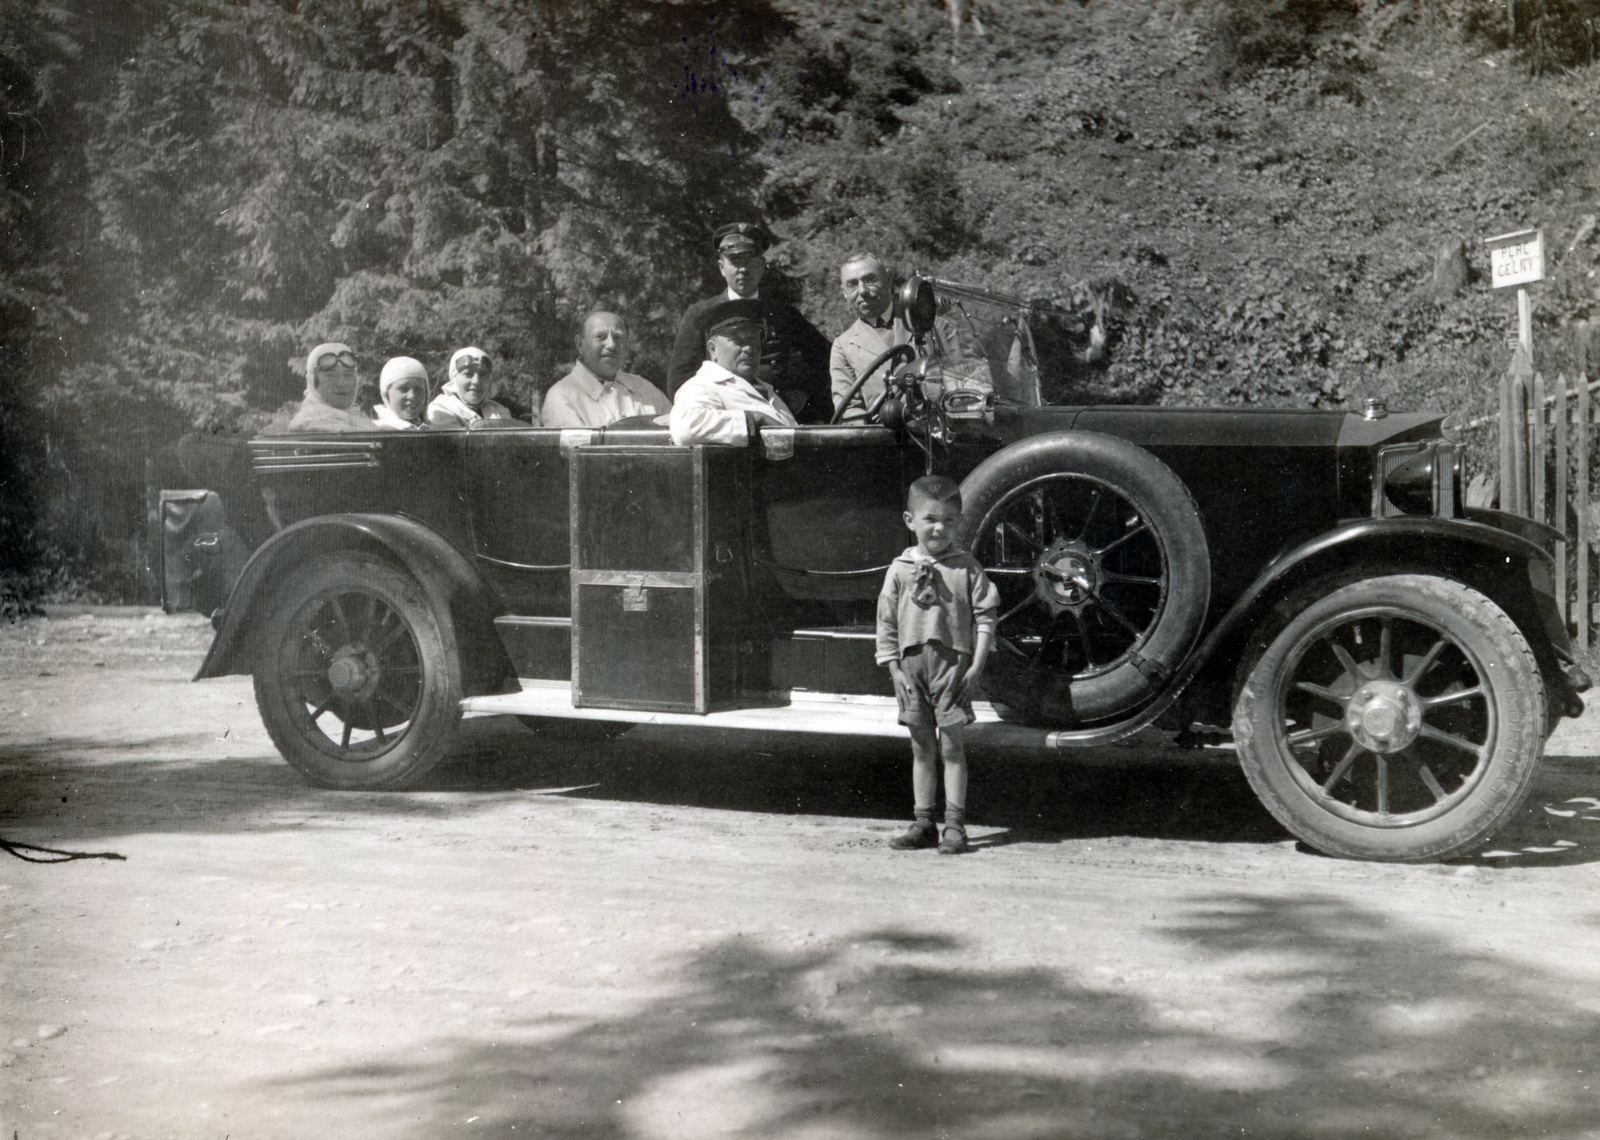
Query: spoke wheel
[1082, 577]
[354, 683]
[1100, 560]
[1397, 718]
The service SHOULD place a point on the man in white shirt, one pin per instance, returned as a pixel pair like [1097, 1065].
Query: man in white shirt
[724, 402]
[866, 287]
[597, 392]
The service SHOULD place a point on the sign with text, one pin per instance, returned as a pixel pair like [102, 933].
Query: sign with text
[1516, 258]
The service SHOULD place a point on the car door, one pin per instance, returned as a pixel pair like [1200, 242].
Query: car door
[827, 502]
[517, 497]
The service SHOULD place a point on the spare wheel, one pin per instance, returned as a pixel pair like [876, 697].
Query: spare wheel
[1103, 571]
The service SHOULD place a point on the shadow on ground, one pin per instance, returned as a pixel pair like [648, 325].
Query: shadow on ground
[1370, 1029]
[86, 789]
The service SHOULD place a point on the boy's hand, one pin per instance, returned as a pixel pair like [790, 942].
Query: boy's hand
[980, 657]
[968, 673]
[897, 674]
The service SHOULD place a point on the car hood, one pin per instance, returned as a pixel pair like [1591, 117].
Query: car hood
[1287, 427]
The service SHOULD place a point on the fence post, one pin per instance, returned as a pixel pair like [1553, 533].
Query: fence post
[1503, 441]
[1559, 421]
[150, 555]
[1521, 373]
[1581, 602]
[1536, 449]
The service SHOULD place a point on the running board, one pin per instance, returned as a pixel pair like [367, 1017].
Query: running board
[834, 714]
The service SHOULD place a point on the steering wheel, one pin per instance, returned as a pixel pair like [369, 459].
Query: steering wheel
[887, 357]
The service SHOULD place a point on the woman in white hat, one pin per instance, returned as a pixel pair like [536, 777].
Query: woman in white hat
[464, 401]
[403, 395]
[331, 386]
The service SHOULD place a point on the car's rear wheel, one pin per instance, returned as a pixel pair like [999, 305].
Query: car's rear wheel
[356, 680]
[1397, 718]
[1101, 562]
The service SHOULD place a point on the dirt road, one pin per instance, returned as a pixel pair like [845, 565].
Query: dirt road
[685, 936]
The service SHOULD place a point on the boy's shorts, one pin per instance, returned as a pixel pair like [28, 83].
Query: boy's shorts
[933, 673]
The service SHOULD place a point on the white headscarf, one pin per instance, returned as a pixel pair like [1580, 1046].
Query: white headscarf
[397, 369]
[315, 413]
[456, 358]
[333, 346]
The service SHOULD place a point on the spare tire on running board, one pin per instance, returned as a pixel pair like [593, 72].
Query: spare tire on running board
[1103, 570]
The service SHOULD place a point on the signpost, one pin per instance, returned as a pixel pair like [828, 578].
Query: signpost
[1516, 259]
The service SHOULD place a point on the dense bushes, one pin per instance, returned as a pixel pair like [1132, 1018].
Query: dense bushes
[191, 191]
[1249, 35]
[1547, 34]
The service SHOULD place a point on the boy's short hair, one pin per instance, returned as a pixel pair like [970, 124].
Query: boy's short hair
[934, 489]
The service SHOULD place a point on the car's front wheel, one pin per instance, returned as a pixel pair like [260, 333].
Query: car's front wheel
[1397, 718]
[356, 680]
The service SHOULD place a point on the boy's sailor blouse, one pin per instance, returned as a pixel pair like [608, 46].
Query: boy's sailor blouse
[948, 599]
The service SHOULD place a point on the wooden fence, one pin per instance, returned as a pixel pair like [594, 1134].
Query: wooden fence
[1546, 470]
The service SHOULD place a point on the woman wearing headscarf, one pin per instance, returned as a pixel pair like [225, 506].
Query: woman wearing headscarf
[331, 386]
[402, 395]
[464, 401]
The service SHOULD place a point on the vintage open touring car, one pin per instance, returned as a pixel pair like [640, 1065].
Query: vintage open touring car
[1389, 662]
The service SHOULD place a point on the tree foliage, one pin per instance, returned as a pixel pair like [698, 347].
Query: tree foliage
[1243, 195]
[195, 190]
[408, 177]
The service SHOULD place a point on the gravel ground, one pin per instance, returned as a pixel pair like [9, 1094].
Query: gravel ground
[692, 935]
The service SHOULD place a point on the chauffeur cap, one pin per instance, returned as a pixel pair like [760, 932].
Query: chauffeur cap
[742, 237]
[727, 314]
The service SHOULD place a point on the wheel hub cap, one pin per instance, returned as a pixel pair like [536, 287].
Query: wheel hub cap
[1066, 576]
[353, 671]
[1384, 716]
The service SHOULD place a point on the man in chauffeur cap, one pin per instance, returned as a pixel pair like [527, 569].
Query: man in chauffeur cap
[726, 401]
[795, 360]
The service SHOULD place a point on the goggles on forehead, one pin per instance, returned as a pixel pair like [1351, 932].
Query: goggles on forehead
[329, 360]
[474, 366]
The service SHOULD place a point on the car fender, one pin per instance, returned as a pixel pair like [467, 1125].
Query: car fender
[1474, 552]
[452, 585]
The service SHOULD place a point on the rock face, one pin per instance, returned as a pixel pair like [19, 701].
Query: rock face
[1449, 270]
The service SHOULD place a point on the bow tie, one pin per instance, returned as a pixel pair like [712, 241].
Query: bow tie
[881, 324]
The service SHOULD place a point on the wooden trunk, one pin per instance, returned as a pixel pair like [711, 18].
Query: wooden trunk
[658, 597]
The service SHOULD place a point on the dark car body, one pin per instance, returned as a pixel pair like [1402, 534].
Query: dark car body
[1239, 518]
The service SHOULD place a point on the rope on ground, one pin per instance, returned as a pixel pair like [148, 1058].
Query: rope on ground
[12, 847]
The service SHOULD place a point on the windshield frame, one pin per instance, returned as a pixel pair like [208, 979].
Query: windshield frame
[1013, 380]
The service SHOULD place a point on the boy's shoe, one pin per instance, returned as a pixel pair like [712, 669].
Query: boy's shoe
[922, 833]
[954, 840]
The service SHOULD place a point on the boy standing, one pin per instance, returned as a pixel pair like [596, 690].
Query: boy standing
[936, 617]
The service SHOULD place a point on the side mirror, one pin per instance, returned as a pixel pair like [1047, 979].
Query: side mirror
[917, 304]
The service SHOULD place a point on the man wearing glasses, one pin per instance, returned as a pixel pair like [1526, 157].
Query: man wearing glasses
[795, 361]
[865, 284]
[331, 386]
[464, 401]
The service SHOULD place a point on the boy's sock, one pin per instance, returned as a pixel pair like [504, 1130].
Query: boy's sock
[921, 833]
[953, 837]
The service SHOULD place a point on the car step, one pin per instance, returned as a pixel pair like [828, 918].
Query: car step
[833, 714]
